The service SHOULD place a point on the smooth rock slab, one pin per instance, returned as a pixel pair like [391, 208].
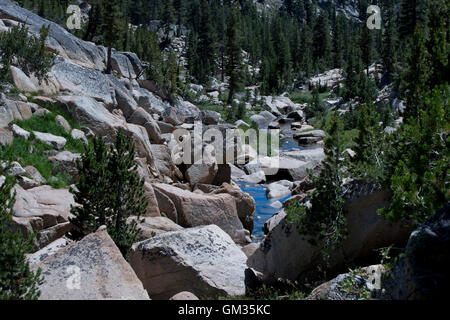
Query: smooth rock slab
[103, 272]
[203, 260]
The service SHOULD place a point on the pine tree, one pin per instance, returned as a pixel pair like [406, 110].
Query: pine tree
[390, 43]
[112, 26]
[415, 79]
[420, 163]
[126, 193]
[109, 191]
[17, 280]
[408, 18]
[437, 43]
[322, 42]
[324, 221]
[234, 57]
[206, 43]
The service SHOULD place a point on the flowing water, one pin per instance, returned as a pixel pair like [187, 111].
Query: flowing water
[266, 208]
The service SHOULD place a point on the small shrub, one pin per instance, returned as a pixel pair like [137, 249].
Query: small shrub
[17, 281]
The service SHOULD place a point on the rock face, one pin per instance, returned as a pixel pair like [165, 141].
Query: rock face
[202, 260]
[424, 271]
[103, 272]
[286, 254]
[203, 209]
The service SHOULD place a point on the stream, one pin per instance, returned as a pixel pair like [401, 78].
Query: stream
[266, 208]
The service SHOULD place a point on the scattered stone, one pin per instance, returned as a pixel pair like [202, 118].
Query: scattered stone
[35, 174]
[255, 178]
[63, 123]
[50, 139]
[19, 132]
[278, 190]
[27, 183]
[356, 285]
[79, 135]
[41, 112]
[14, 169]
[245, 204]
[6, 136]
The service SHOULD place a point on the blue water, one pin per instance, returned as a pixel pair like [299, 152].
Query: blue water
[264, 210]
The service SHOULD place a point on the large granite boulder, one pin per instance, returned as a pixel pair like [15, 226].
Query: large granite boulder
[287, 254]
[43, 210]
[245, 204]
[194, 209]
[91, 269]
[202, 260]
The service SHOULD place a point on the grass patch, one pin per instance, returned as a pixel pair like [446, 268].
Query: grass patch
[48, 124]
[302, 97]
[32, 153]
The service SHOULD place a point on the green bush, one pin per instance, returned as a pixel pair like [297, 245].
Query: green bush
[17, 281]
[28, 53]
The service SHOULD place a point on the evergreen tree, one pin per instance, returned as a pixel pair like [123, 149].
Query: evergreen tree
[17, 280]
[234, 56]
[112, 26]
[389, 43]
[324, 220]
[322, 42]
[109, 191]
[408, 18]
[415, 79]
[420, 163]
[206, 43]
[438, 42]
